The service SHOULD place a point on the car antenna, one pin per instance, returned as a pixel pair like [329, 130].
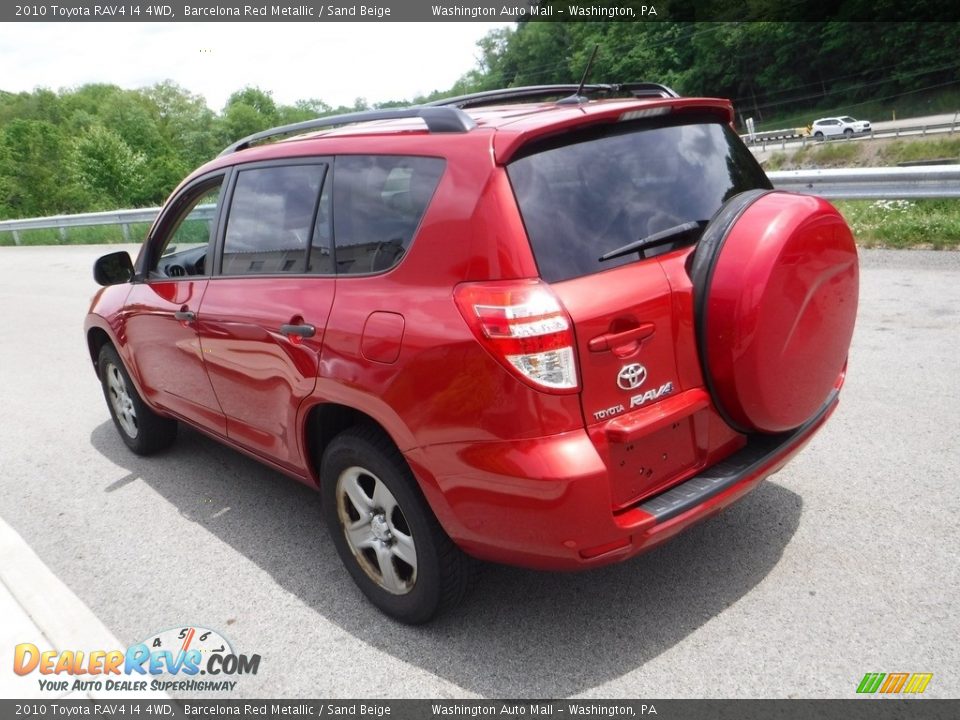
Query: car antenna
[577, 98]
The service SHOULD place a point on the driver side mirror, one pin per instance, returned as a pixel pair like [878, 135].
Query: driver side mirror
[113, 269]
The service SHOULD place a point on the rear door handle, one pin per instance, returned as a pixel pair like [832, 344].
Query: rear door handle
[185, 316]
[303, 330]
[610, 341]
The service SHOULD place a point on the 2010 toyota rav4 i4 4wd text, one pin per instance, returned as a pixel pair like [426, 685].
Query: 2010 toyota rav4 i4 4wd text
[515, 326]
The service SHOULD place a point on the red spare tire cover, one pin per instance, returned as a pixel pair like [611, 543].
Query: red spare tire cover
[776, 282]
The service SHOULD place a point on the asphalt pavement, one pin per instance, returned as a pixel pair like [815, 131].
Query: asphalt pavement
[845, 562]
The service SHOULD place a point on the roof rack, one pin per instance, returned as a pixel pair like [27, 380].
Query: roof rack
[543, 92]
[437, 119]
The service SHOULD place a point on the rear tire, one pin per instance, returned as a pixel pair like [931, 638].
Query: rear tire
[141, 429]
[384, 531]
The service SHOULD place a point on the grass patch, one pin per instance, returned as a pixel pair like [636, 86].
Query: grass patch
[900, 151]
[817, 155]
[933, 224]
[94, 235]
[775, 162]
[836, 154]
[881, 152]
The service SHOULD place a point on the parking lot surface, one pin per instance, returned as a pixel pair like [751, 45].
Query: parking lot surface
[846, 562]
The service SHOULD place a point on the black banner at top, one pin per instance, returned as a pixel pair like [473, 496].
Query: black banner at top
[483, 11]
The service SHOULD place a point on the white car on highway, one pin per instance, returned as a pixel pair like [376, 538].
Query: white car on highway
[833, 126]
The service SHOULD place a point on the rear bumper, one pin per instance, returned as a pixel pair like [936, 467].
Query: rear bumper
[545, 503]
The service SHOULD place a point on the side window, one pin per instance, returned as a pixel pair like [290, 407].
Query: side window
[378, 202]
[272, 215]
[182, 247]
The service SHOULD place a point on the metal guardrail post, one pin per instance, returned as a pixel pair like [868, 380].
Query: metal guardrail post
[16, 237]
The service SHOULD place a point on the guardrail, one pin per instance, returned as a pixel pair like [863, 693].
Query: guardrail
[123, 218]
[886, 183]
[764, 136]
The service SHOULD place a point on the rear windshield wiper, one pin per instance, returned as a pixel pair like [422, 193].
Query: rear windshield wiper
[663, 237]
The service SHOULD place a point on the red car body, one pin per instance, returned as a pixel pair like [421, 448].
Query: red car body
[552, 478]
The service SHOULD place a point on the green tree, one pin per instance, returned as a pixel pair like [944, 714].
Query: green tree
[247, 111]
[33, 155]
[107, 169]
[185, 123]
[302, 110]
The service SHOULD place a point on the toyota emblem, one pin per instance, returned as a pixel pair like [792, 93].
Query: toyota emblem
[631, 376]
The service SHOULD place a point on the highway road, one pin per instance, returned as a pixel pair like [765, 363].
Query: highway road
[846, 562]
[883, 129]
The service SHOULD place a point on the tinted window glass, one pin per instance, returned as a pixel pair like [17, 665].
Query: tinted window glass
[602, 189]
[378, 202]
[272, 215]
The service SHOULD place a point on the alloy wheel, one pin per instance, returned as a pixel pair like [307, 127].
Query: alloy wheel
[376, 530]
[121, 401]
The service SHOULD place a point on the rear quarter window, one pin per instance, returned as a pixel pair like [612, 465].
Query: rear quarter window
[586, 193]
[378, 202]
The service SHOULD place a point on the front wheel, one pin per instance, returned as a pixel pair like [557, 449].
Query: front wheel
[141, 429]
[384, 531]
[848, 133]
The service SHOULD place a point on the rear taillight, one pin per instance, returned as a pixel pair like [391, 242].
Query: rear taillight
[524, 326]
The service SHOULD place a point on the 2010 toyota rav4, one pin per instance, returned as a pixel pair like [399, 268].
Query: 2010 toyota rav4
[516, 326]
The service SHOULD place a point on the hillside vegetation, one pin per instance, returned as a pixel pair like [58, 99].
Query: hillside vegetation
[101, 147]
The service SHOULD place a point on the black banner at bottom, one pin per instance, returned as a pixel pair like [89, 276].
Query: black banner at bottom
[855, 709]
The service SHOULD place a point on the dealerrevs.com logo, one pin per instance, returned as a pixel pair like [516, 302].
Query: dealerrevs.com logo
[894, 683]
[185, 659]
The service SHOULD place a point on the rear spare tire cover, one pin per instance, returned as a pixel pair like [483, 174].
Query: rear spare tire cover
[775, 280]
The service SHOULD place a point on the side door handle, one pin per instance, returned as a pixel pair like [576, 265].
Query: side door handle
[184, 315]
[303, 330]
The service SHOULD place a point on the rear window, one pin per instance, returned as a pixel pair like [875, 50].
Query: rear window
[593, 191]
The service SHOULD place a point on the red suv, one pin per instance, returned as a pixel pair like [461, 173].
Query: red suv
[523, 326]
